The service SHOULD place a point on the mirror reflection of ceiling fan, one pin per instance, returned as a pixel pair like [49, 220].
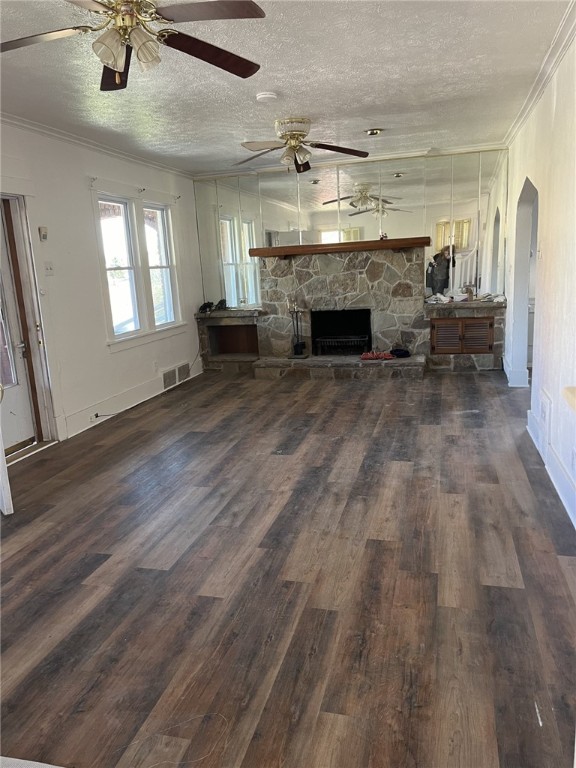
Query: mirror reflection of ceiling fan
[128, 25]
[379, 209]
[366, 202]
[291, 132]
[362, 197]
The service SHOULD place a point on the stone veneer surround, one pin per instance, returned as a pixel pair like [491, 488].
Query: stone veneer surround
[388, 282]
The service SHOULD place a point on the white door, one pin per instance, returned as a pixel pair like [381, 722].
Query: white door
[16, 408]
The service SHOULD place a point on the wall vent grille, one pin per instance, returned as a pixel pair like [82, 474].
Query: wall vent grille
[183, 372]
[169, 378]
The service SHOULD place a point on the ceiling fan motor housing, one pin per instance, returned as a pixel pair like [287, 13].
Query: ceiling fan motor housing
[292, 128]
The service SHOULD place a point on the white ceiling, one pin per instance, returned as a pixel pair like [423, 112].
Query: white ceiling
[433, 74]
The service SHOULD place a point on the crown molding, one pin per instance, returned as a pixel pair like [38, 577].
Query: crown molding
[71, 138]
[562, 41]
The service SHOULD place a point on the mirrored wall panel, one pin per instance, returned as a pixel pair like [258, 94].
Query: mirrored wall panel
[456, 200]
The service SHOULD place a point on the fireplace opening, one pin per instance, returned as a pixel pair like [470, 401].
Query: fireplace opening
[341, 332]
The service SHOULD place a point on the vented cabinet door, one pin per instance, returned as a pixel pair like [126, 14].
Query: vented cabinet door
[478, 335]
[465, 335]
[445, 336]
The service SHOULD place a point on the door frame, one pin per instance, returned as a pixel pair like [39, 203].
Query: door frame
[27, 298]
[6, 504]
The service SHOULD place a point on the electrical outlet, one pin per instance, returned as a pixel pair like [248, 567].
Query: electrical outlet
[93, 418]
[48, 269]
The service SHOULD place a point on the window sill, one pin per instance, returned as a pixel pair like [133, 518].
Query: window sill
[127, 342]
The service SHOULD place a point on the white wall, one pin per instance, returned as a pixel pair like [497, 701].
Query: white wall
[544, 152]
[87, 374]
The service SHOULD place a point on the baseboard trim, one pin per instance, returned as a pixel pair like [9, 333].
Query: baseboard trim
[516, 378]
[557, 472]
[13, 762]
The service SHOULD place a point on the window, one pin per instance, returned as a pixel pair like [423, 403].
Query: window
[461, 234]
[136, 246]
[241, 273]
[344, 235]
[159, 265]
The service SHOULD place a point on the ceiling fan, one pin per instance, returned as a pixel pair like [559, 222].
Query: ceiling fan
[130, 25]
[362, 197]
[379, 208]
[291, 132]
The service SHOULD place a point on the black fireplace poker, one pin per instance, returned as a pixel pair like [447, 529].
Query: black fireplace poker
[297, 344]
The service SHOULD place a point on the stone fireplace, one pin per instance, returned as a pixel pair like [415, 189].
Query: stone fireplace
[384, 279]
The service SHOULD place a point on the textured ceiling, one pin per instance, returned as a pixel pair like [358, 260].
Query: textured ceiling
[432, 74]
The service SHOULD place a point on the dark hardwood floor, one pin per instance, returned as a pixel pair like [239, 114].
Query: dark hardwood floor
[293, 574]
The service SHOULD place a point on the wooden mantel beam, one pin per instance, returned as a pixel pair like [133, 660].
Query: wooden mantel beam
[283, 251]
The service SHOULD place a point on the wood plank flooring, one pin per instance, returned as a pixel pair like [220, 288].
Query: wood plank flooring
[293, 574]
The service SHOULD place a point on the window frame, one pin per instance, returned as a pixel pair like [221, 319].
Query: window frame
[454, 232]
[169, 267]
[139, 260]
[242, 237]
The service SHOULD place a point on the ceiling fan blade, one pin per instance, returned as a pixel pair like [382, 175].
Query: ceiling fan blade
[357, 213]
[110, 77]
[212, 10]
[302, 167]
[209, 53]
[258, 146]
[22, 42]
[248, 159]
[337, 200]
[334, 148]
[91, 5]
[404, 210]
[384, 199]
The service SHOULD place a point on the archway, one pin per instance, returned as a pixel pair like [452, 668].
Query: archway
[524, 283]
[495, 253]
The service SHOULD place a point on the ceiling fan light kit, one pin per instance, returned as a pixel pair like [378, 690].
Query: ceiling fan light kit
[288, 156]
[146, 48]
[129, 24]
[303, 155]
[111, 50]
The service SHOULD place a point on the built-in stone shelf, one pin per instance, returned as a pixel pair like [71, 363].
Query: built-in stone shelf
[471, 309]
[225, 335]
